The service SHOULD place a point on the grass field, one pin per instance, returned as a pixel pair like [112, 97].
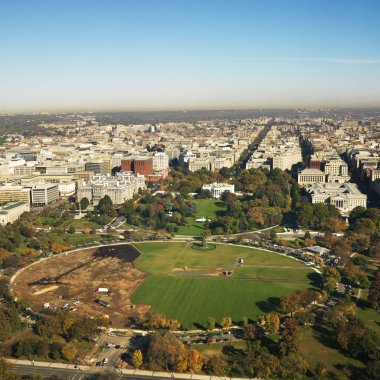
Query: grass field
[194, 295]
[317, 345]
[208, 208]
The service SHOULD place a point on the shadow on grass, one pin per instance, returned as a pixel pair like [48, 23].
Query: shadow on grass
[232, 352]
[326, 337]
[315, 279]
[363, 304]
[271, 304]
[198, 326]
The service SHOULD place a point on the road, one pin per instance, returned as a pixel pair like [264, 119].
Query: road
[49, 373]
[67, 373]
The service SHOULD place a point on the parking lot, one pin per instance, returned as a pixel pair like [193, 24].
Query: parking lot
[112, 347]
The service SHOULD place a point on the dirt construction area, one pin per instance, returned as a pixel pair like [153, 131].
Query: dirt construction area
[71, 280]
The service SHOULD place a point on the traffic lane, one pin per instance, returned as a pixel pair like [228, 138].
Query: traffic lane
[44, 371]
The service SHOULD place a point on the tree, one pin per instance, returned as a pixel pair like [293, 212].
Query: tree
[321, 369]
[290, 303]
[137, 359]
[71, 229]
[166, 352]
[374, 292]
[272, 322]
[69, 351]
[289, 342]
[43, 348]
[364, 226]
[84, 203]
[195, 360]
[293, 365]
[205, 235]
[226, 322]
[210, 323]
[331, 277]
[6, 372]
[217, 366]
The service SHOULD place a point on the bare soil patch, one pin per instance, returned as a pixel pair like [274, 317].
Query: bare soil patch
[77, 275]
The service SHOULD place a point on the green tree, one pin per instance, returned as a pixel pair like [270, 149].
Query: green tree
[204, 236]
[84, 203]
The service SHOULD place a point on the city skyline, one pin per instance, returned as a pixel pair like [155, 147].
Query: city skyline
[126, 56]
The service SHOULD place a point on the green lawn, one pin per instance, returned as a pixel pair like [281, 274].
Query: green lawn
[83, 223]
[81, 238]
[208, 208]
[369, 316]
[194, 295]
[193, 228]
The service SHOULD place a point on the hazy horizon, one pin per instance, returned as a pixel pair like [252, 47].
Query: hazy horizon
[95, 56]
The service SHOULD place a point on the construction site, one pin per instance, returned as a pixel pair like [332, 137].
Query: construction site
[91, 282]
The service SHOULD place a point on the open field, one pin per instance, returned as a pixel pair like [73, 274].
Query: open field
[201, 290]
[317, 345]
[208, 208]
[169, 277]
[76, 275]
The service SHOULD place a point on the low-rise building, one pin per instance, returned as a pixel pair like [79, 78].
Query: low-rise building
[217, 189]
[10, 212]
[14, 193]
[119, 188]
[344, 196]
[310, 176]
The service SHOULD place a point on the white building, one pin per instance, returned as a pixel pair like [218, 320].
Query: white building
[43, 194]
[119, 188]
[160, 161]
[217, 189]
[311, 176]
[10, 212]
[344, 196]
[66, 188]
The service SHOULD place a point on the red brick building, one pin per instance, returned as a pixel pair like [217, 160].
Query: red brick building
[315, 164]
[137, 165]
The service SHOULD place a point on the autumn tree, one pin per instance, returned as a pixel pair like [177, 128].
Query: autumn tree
[330, 278]
[293, 366]
[6, 372]
[272, 322]
[289, 342]
[321, 369]
[226, 322]
[195, 361]
[374, 292]
[69, 351]
[137, 358]
[217, 366]
[210, 323]
[165, 352]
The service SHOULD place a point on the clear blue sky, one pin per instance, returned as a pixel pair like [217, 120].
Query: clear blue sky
[186, 54]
